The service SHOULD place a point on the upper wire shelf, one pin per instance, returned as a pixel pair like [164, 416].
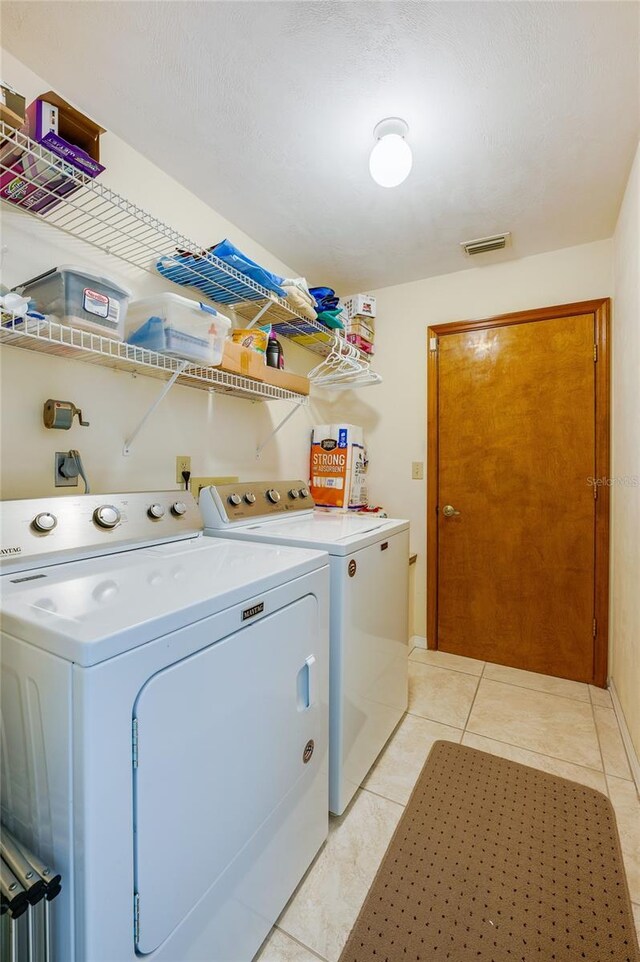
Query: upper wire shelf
[94, 213]
[49, 337]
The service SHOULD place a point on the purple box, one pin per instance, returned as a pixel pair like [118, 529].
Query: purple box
[42, 126]
[35, 184]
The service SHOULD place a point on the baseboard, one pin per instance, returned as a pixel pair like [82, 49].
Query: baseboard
[634, 763]
[417, 641]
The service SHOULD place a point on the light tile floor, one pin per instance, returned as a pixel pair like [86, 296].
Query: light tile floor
[559, 726]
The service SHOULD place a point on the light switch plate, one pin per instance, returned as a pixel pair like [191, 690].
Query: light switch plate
[417, 470]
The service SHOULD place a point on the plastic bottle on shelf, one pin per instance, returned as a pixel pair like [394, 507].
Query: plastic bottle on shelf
[275, 354]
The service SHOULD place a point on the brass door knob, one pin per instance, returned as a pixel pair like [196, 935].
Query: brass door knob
[449, 511]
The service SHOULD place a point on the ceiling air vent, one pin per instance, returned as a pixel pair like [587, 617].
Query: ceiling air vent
[482, 245]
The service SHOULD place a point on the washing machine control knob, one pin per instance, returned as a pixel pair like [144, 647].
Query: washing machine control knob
[250, 497]
[273, 495]
[107, 516]
[234, 499]
[156, 511]
[304, 492]
[293, 493]
[179, 508]
[45, 521]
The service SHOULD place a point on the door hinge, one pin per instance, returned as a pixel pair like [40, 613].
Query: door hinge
[136, 918]
[134, 742]
[595, 352]
[433, 343]
[595, 627]
[595, 492]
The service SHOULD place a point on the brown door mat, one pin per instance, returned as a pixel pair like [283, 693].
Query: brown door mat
[493, 861]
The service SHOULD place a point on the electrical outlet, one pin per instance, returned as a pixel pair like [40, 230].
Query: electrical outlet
[417, 470]
[197, 484]
[183, 463]
[59, 480]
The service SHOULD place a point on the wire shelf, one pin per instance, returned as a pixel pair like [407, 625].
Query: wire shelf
[49, 337]
[94, 213]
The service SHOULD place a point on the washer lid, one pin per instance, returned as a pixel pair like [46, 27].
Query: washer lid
[88, 611]
[339, 534]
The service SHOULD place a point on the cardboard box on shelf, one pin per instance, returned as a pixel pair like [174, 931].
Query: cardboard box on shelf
[286, 380]
[363, 327]
[55, 124]
[12, 106]
[361, 343]
[33, 183]
[242, 360]
[363, 304]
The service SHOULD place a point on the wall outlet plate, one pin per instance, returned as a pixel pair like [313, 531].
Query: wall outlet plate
[58, 479]
[197, 484]
[183, 463]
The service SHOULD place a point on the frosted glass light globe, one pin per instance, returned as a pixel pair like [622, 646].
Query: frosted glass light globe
[391, 158]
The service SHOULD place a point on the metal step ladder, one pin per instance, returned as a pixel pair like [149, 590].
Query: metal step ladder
[27, 888]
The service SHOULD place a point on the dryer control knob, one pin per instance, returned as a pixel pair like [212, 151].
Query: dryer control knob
[273, 495]
[45, 521]
[304, 492]
[250, 498]
[156, 511]
[234, 499]
[179, 508]
[294, 494]
[107, 516]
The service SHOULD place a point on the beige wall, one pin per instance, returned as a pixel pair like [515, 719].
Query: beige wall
[220, 433]
[625, 528]
[394, 413]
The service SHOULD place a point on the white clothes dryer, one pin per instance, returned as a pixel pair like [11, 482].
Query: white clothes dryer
[369, 562]
[165, 723]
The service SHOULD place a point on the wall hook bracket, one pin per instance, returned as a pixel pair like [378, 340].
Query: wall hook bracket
[128, 444]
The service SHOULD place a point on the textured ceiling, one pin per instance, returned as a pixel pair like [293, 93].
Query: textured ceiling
[523, 117]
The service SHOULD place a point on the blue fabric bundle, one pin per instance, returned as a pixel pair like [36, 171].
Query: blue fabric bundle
[192, 270]
[325, 298]
[230, 254]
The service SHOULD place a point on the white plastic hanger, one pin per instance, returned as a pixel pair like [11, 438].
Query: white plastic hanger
[343, 368]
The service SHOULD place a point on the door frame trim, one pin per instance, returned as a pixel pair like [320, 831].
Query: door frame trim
[601, 309]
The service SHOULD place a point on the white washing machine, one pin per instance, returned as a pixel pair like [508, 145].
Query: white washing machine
[369, 561]
[165, 723]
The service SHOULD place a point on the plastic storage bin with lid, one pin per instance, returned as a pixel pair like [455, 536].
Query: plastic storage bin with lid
[81, 299]
[180, 326]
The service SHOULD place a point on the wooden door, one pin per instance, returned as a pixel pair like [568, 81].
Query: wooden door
[518, 433]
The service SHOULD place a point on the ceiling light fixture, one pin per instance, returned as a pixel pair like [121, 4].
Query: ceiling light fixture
[391, 159]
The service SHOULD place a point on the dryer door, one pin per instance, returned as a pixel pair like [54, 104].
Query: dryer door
[221, 738]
